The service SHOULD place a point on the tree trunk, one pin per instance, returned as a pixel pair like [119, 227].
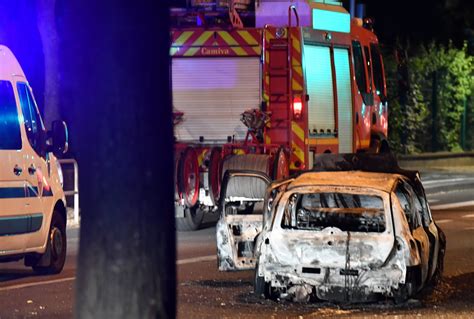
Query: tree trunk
[49, 38]
[116, 99]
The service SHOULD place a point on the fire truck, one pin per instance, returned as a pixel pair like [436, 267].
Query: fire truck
[267, 86]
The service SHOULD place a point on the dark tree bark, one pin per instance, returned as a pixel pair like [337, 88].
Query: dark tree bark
[49, 39]
[115, 97]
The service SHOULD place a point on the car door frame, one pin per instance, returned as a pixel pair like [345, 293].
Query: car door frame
[228, 238]
[430, 228]
[419, 234]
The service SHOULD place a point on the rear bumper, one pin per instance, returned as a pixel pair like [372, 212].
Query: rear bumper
[336, 284]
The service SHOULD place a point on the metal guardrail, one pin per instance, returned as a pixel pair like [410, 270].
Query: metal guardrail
[435, 156]
[75, 191]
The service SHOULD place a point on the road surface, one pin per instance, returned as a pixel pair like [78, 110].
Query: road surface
[203, 292]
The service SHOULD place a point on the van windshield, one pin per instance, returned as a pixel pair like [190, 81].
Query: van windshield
[348, 212]
[10, 138]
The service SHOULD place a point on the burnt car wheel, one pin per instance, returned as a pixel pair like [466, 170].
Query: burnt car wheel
[262, 288]
[259, 284]
[410, 288]
[438, 274]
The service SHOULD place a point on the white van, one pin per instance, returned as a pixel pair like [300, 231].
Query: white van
[32, 203]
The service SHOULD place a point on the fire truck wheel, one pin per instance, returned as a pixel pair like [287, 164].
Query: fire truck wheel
[192, 219]
[214, 174]
[177, 195]
[188, 177]
[281, 165]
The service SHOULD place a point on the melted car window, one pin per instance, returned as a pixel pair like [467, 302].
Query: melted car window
[411, 208]
[348, 212]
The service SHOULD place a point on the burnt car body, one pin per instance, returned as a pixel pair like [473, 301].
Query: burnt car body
[355, 229]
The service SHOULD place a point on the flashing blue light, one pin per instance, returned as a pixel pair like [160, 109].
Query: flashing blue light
[331, 21]
[199, 21]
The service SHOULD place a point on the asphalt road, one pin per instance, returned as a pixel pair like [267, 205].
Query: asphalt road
[203, 292]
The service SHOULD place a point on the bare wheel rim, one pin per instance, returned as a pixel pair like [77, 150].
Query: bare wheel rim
[214, 174]
[189, 177]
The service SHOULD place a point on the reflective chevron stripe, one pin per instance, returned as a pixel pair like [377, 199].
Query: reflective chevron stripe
[216, 43]
[297, 145]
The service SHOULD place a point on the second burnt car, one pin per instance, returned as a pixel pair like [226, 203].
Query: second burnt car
[356, 229]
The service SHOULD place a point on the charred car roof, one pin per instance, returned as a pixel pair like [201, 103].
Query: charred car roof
[379, 181]
[376, 163]
[377, 171]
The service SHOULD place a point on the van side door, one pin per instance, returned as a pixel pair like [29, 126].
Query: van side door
[39, 192]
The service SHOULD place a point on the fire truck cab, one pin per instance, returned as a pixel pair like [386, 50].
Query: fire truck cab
[300, 79]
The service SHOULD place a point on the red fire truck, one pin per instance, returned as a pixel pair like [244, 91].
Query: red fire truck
[268, 85]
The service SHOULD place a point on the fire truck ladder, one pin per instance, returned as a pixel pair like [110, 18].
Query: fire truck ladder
[280, 78]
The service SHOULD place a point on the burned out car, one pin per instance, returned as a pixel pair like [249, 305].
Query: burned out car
[351, 234]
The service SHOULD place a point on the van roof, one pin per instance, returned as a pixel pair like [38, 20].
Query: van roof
[9, 65]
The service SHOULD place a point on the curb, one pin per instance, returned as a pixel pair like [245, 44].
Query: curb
[463, 162]
[449, 189]
[435, 156]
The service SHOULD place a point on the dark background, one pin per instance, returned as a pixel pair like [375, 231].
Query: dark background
[416, 20]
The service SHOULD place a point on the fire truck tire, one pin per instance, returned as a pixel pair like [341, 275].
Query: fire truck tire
[188, 177]
[248, 187]
[177, 195]
[192, 219]
[281, 165]
[214, 174]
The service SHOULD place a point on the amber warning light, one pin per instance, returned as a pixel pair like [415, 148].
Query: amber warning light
[297, 107]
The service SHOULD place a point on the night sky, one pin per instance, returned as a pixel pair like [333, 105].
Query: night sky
[416, 20]
[422, 20]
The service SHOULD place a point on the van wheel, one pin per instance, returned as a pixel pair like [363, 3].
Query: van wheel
[192, 219]
[52, 261]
